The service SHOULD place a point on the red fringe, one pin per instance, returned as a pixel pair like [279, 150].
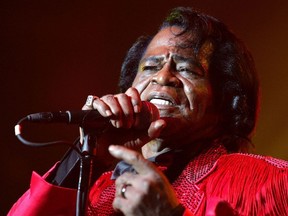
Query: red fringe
[252, 185]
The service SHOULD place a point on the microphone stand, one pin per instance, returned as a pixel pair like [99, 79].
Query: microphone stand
[88, 152]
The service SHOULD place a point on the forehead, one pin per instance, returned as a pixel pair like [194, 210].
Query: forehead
[166, 42]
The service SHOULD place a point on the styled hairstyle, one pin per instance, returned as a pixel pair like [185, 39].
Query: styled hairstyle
[231, 72]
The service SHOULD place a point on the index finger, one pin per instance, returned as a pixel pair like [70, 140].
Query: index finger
[140, 164]
[135, 98]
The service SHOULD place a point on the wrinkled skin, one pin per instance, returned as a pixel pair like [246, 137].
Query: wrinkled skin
[177, 83]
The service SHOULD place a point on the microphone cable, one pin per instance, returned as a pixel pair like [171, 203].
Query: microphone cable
[18, 134]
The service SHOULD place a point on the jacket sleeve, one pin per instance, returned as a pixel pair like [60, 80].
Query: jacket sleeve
[187, 212]
[44, 199]
[54, 193]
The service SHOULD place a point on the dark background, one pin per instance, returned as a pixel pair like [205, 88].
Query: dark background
[54, 53]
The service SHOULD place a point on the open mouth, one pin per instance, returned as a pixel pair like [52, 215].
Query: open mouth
[161, 102]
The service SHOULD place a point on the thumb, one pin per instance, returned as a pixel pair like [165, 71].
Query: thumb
[156, 128]
[134, 158]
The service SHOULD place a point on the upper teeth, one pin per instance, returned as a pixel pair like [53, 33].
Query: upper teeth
[161, 102]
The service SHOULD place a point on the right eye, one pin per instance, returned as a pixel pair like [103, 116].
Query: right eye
[151, 68]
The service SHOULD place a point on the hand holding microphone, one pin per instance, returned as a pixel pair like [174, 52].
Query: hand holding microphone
[98, 113]
[130, 121]
[94, 120]
[127, 111]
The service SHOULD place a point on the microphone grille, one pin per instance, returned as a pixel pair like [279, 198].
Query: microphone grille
[150, 110]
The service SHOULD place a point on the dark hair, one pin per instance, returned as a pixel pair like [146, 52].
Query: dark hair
[231, 72]
[131, 62]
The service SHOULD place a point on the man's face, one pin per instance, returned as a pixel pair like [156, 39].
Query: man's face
[177, 82]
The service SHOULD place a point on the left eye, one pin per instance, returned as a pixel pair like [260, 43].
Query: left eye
[190, 71]
[185, 69]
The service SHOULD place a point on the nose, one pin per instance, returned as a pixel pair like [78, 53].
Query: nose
[166, 77]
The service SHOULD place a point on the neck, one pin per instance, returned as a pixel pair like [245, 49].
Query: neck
[158, 146]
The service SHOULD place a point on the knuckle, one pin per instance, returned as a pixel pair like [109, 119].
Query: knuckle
[146, 184]
[119, 181]
[130, 90]
[122, 96]
[108, 98]
[135, 157]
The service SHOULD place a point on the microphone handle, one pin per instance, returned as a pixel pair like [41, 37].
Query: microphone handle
[84, 118]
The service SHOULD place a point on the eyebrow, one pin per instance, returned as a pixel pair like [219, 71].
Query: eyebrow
[176, 58]
[153, 58]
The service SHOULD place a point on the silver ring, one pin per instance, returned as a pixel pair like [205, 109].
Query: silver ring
[90, 99]
[123, 190]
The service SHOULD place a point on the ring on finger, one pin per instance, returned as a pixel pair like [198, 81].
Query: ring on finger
[90, 99]
[124, 189]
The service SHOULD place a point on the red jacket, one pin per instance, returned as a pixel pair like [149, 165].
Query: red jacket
[214, 183]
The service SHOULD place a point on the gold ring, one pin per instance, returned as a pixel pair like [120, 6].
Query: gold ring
[124, 189]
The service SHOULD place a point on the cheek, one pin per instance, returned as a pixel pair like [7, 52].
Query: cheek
[140, 83]
[199, 94]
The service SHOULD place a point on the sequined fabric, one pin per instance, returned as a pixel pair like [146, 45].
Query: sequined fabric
[186, 187]
[103, 191]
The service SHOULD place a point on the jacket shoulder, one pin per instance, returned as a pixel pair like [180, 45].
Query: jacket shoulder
[242, 159]
[251, 184]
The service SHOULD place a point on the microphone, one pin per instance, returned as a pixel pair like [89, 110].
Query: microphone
[93, 119]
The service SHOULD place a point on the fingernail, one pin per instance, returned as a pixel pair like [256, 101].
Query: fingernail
[136, 108]
[113, 149]
[118, 124]
[108, 113]
[159, 124]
